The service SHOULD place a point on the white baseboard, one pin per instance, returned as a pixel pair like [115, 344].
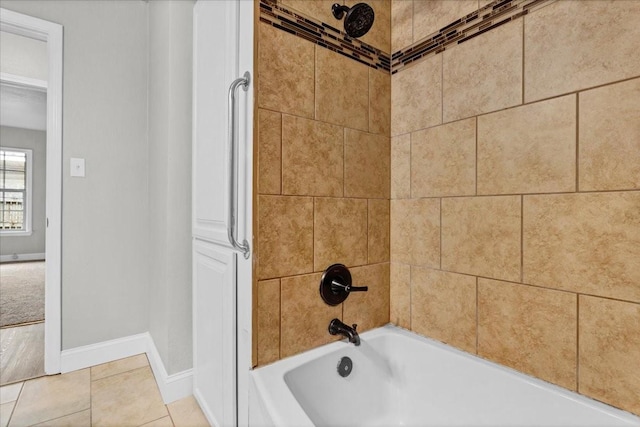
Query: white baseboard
[172, 387]
[102, 352]
[22, 257]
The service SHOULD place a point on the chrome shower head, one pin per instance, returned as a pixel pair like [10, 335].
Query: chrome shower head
[359, 19]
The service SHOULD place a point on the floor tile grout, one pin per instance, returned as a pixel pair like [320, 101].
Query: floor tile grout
[118, 373]
[90, 407]
[62, 416]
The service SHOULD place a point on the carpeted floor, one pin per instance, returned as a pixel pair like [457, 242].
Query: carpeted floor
[21, 292]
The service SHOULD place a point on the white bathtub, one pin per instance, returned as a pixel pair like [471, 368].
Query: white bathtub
[401, 379]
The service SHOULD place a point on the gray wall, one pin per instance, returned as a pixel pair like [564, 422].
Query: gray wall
[105, 242]
[127, 225]
[37, 141]
[170, 47]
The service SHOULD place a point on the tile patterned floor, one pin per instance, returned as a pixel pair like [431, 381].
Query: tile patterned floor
[21, 353]
[122, 393]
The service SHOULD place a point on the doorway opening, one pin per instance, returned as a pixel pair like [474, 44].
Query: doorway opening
[30, 196]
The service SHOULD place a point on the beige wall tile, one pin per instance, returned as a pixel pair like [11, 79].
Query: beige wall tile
[610, 137]
[52, 397]
[340, 232]
[312, 157]
[366, 165]
[483, 3]
[481, 236]
[443, 160]
[401, 166]
[610, 351]
[285, 236]
[416, 96]
[379, 102]
[475, 69]
[285, 72]
[528, 149]
[401, 24]
[342, 90]
[368, 309]
[443, 306]
[529, 329]
[305, 316]
[130, 398]
[316, 9]
[187, 413]
[320, 10]
[380, 34]
[269, 152]
[415, 232]
[559, 59]
[585, 243]
[378, 220]
[400, 295]
[429, 16]
[268, 321]
[119, 366]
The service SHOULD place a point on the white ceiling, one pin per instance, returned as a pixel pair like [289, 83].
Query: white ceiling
[23, 107]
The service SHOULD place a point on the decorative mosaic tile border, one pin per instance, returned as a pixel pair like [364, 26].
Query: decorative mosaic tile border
[323, 35]
[493, 15]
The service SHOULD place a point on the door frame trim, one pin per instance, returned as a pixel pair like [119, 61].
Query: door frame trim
[52, 34]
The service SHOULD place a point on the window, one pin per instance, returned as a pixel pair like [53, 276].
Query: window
[15, 191]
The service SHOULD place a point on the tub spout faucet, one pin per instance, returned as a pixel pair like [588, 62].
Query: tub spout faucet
[336, 327]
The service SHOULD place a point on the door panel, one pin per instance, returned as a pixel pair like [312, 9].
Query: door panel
[221, 278]
[214, 298]
[215, 67]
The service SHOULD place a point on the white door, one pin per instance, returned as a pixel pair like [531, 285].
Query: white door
[214, 357]
[223, 52]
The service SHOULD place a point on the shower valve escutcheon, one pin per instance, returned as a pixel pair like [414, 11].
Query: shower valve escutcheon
[335, 284]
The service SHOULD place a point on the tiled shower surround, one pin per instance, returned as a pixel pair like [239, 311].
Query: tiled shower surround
[513, 174]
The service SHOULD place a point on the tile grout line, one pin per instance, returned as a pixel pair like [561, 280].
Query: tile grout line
[522, 238]
[281, 154]
[67, 415]
[170, 416]
[514, 282]
[410, 300]
[279, 318]
[368, 254]
[440, 232]
[442, 88]
[279, 323]
[344, 165]
[15, 405]
[549, 98]
[577, 141]
[476, 164]
[121, 372]
[523, 63]
[315, 83]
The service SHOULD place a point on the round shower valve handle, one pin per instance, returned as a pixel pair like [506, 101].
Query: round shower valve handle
[336, 285]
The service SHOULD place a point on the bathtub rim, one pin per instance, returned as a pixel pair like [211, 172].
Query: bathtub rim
[269, 380]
